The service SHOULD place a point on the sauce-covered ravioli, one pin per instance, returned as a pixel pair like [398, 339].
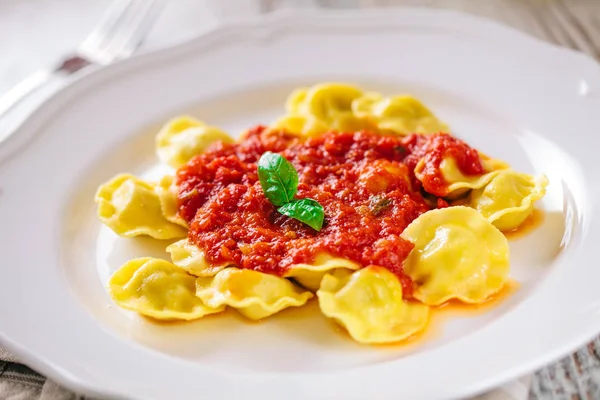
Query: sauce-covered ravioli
[131, 207]
[253, 294]
[402, 115]
[310, 275]
[457, 182]
[458, 254]
[184, 137]
[508, 199]
[158, 289]
[188, 256]
[369, 304]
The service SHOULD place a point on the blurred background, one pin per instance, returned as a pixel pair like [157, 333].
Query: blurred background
[36, 33]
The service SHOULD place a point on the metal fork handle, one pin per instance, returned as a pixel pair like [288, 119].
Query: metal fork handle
[38, 79]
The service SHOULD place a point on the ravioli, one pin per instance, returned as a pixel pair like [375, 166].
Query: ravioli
[188, 256]
[369, 304]
[508, 199]
[158, 289]
[167, 194]
[310, 275]
[253, 294]
[131, 207]
[459, 183]
[300, 125]
[378, 175]
[325, 102]
[458, 254]
[184, 137]
[321, 108]
[401, 115]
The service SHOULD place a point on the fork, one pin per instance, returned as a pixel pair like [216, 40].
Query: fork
[570, 26]
[117, 36]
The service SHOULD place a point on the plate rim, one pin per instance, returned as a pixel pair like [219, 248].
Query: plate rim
[262, 27]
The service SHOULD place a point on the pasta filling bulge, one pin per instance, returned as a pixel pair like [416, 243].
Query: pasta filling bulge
[458, 254]
[158, 289]
[369, 304]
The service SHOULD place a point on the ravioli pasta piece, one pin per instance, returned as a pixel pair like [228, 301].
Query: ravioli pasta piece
[167, 194]
[508, 199]
[458, 183]
[158, 289]
[184, 137]
[492, 164]
[300, 125]
[402, 115]
[323, 107]
[253, 294]
[377, 176]
[310, 275]
[325, 102]
[295, 102]
[369, 304]
[188, 256]
[131, 207]
[458, 254]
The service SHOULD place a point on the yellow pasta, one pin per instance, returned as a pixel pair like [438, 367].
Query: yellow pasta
[184, 137]
[508, 199]
[167, 194]
[157, 289]
[401, 115]
[310, 275]
[253, 294]
[369, 304]
[322, 108]
[325, 102]
[188, 256]
[458, 254]
[131, 207]
[300, 125]
[458, 183]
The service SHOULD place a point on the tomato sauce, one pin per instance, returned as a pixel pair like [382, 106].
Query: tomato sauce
[433, 149]
[364, 181]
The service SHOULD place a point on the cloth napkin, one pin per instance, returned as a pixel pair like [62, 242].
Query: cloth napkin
[181, 19]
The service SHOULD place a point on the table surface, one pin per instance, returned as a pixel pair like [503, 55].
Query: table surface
[40, 31]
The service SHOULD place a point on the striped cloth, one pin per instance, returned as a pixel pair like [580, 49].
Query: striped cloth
[573, 378]
[18, 382]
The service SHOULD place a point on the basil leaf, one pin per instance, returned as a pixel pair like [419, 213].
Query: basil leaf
[278, 178]
[305, 210]
[279, 181]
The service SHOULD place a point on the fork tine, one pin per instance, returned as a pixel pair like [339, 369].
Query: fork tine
[95, 40]
[572, 26]
[131, 34]
[584, 30]
[121, 32]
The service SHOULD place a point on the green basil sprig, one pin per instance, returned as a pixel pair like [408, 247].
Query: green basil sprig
[279, 181]
[306, 210]
[278, 178]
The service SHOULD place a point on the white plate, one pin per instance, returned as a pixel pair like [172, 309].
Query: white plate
[529, 103]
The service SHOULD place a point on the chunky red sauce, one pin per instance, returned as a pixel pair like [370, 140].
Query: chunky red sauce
[433, 149]
[364, 181]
